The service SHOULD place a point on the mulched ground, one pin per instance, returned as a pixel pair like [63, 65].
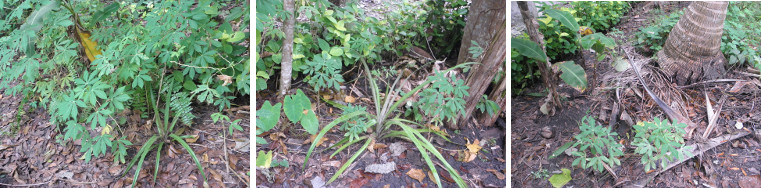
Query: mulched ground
[32, 153]
[733, 164]
[288, 142]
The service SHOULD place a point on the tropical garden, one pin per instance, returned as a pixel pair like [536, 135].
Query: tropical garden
[380, 93]
[124, 93]
[635, 94]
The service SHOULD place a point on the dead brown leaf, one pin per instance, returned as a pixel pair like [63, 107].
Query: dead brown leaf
[5, 146]
[738, 86]
[114, 169]
[311, 139]
[332, 163]
[192, 139]
[216, 175]
[417, 174]
[499, 175]
[750, 181]
[387, 186]
[226, 79]
[350, 99]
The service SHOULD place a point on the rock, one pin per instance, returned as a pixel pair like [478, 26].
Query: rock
[546, 132]
[317, 182]
[381, 168]
[397, 149]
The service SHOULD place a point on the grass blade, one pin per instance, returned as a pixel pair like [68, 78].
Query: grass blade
[435, 152]
[192, 154]
[158, 156]
[148, 144]
[346, 165]
[347, 145]
[561, 149]
[326, 129]
[408, 132]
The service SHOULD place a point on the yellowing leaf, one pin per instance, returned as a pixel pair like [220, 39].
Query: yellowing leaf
[106, 130]
[90, 46]
[416, 174]
[473, 148]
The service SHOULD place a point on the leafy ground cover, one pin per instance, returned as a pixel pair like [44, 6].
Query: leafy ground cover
[146, 86]
[541, 154]
[362, 111]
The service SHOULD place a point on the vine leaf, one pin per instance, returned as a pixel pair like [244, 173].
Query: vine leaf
[105, 13]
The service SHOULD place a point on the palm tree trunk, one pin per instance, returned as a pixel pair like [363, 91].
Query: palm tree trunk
[693, 48]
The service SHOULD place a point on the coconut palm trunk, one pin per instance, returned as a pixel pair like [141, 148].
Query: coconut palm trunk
[692, 50]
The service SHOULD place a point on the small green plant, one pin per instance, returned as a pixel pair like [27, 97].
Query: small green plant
[233, 124]
[737, 38]
[596, 145]
[486, 105]
[541, 174]
[357, 125]
[383, 124]
[653, 37]
[267, 117]
[442, 100]
[323, 71]
[660, 140]
[165, 134]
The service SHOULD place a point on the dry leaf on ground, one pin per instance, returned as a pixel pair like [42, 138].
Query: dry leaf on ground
[417, 174]
[319, 143]
[496, 173]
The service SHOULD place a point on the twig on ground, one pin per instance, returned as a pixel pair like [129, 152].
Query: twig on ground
[710, 82]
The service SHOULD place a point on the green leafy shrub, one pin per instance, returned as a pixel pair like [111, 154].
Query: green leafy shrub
[600, 16]
[741, 30]
[442, 100]
[323, 72]
[654, 36]
[660, 140]
[446, 21]
[597, 145]
[383, 124]
[559, 40]
[485, 105]
[524, 70]
[132, 51]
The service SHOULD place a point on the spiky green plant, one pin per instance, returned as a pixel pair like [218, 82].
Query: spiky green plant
[383, 124]
[180, 106]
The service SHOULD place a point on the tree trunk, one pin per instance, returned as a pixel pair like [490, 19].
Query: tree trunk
[548, 76]
[481, 76]
[499, 96]
[483, 17]
[285, 65]
[693, 48]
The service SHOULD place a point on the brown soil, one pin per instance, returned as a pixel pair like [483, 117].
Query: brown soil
[32, 153]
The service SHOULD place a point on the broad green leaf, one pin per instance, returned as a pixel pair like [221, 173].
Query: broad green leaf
[324, 46]
[620, 64]
[558, 180]
[528, 48]
[573, 75]
[565, 18]
[336, 52]
[310, 122]
[295, 105]
[106, 12]
[269, 115]
[340, 25]
[236, 37]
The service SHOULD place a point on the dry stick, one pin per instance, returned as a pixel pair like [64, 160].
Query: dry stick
[709, 82]
[697, 149]
[714, 117]
[675, 117]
